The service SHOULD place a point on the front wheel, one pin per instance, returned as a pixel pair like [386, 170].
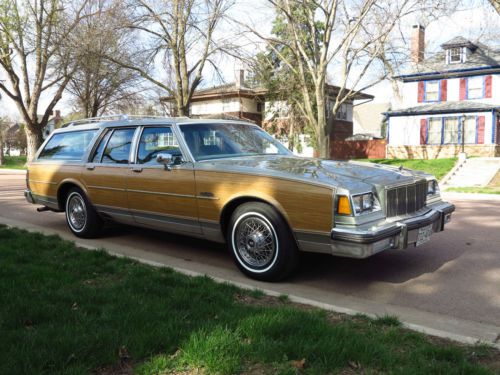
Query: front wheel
[262, 244]
[81, 216]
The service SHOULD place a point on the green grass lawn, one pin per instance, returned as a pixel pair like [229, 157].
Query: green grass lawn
[66, 310]
[14, 162]
[436, 167]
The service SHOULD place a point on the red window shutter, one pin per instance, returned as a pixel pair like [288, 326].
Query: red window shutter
[480, 130]
[423, 131]
[444, 90]
[487, 86]
[463, 88]
[420, 91]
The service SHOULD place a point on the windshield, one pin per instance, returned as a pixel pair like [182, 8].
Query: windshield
[217, 141]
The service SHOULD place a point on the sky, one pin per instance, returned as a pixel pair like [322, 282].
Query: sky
[475, 20]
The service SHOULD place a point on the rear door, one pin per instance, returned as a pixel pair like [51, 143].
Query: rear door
[158, 197]
[105, 173]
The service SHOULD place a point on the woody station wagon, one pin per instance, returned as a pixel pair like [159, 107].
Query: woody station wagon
[229, 181]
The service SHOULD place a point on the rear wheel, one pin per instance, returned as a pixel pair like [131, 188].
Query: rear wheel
[81, 216]
[262, 244]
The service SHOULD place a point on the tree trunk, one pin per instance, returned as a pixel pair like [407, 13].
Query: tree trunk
[34, 139]
[1, 150]
[322, 126]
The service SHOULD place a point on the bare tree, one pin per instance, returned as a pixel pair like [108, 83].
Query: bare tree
[35, 57]
[351, 40]
[99, 84]
[495, 4]
[181, 34]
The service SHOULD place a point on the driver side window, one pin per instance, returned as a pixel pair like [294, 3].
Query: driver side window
[155, 141]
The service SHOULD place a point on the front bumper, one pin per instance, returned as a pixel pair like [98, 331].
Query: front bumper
[358, 242]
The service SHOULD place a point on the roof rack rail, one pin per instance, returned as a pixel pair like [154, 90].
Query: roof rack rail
[91, 120]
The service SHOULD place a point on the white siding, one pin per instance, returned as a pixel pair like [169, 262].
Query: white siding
[208, 107]
[405, 130]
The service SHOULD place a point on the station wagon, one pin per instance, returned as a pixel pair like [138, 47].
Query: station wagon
[230, 181]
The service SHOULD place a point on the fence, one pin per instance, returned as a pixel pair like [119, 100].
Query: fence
[343, 150]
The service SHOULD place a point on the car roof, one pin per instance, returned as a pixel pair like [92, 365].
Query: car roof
[110, 121]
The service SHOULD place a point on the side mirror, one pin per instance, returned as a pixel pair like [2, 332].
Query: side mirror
[166, 160]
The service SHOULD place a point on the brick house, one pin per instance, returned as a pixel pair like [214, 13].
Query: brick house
[449, 99]
[239, 100]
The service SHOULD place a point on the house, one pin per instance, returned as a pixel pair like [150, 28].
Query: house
[240, 100]
[369, 119]
[54, 123]
[449, 101]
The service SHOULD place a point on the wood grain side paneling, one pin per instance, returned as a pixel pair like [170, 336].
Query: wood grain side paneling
[306, 207]
[45, 179]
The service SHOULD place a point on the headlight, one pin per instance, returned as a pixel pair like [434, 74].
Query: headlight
[365, 203]
[432, 187]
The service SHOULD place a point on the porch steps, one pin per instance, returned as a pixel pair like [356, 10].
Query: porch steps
[474, 172]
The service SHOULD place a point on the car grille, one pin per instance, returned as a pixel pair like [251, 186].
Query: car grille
[406, 199]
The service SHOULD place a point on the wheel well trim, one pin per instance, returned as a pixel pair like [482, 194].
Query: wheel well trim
[65, 184]
[236, 201]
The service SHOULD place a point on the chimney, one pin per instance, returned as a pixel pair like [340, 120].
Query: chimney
[240, 78]
[417, 44]
[57, 120]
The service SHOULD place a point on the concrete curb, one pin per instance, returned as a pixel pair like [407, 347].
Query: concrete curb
[459, 330]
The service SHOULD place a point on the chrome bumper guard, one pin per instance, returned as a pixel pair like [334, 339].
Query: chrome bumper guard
[29, 196]
[362, 243]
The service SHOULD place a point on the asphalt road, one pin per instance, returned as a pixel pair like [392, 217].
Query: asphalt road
[456, 275]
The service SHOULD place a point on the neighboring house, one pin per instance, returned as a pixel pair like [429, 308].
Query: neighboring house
[369, 119]
[54, 123]
[239, 101]
[450, 98]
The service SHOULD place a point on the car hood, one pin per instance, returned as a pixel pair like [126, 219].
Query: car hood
[347, 174]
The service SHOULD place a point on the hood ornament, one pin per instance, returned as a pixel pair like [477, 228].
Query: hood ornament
[401, 167]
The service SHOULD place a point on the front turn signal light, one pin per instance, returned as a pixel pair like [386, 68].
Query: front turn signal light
[343, 206]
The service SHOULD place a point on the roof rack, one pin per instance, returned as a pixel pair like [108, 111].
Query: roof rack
[91, 120]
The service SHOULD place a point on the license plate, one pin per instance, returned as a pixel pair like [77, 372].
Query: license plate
[424, 235]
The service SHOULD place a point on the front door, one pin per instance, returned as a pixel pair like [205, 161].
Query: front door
[105, 174]
[161, 198]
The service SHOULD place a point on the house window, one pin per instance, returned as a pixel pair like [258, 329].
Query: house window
[259, 107]
[341, 112]
[451, 130]
[475, 88]
[455, 55]
[435, 127]
[431, 91]
[469, 130]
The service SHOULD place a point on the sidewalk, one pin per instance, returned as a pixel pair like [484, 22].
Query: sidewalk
[4, 171]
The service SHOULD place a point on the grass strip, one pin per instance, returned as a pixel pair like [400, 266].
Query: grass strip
[14, 162]
[437, 167]
[66, 310]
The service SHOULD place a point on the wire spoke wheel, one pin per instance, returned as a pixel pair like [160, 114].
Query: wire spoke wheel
[77, 212]
[255, 241]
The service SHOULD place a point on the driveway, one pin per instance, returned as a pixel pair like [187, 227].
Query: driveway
[451, 283]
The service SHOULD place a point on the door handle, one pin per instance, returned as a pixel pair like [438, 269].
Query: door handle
[136, 169]
[90, 167]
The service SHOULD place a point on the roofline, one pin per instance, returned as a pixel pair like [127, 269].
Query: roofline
[437, 112]
[416, 76]
[252, 93]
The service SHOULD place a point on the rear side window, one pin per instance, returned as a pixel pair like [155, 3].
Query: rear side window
[67, 146]
[118, 148]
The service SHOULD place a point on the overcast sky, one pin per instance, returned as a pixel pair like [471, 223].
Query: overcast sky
[476, 20]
